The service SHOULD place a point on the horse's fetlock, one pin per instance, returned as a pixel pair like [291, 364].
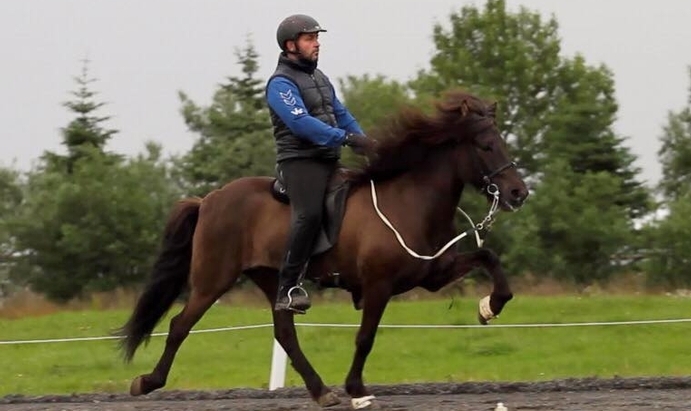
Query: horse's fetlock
[354, 388]
[497, 302]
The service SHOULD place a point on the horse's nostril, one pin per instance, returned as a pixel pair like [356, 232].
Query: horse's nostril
[518, 195]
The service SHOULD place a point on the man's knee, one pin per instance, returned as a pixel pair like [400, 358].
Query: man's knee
[309, 218]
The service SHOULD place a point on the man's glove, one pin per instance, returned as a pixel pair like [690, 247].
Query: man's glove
[360, 144]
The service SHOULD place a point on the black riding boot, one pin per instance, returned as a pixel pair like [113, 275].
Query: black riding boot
[306, 181]
[291, 296]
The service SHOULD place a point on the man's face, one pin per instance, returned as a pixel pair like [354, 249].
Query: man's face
[307, 46]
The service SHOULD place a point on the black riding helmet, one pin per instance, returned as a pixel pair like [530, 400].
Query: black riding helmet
[292, 26]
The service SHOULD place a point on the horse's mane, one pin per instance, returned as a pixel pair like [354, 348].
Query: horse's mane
[409, 137]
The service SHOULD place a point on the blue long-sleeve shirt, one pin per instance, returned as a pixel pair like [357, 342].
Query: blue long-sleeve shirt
[301, 123]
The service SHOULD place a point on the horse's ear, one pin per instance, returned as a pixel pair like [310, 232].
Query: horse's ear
[464, 108]
[492, 110]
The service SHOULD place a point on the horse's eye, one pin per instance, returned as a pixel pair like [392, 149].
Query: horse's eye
[485, 145]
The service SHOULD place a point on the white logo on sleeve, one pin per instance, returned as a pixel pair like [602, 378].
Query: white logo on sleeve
[288, 98]
[297, 111]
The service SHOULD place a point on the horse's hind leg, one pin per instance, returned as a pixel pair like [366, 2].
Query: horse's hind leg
[284, 332]
[180, 326]
[375, 299]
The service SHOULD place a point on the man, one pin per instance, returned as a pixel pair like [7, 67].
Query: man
[310, 125]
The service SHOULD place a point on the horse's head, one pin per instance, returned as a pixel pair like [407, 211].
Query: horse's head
[482, 153]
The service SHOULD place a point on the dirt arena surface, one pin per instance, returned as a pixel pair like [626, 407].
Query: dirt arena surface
[617, 394]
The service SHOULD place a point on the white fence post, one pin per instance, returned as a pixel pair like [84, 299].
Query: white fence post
[279, 358]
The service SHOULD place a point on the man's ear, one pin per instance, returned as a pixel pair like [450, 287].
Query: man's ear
[290, 46]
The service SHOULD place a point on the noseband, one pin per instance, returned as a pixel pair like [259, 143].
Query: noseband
[487, 178]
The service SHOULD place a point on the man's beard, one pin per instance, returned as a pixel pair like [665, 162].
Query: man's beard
[306, 61]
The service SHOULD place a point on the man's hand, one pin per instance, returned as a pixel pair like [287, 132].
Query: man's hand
[360, 144]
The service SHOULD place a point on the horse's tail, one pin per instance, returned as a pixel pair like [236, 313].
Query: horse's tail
[167, 280]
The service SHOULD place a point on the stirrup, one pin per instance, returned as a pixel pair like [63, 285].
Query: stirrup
[288, 306]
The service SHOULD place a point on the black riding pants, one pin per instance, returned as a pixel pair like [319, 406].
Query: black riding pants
[305, 181]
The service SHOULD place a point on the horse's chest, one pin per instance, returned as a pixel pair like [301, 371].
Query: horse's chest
[412, 275]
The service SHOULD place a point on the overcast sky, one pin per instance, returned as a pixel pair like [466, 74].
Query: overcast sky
[144, 51]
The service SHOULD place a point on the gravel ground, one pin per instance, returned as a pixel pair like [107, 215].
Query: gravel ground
[630, 394]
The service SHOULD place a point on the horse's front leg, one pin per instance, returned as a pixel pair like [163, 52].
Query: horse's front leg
[375, 298]
[491, 305]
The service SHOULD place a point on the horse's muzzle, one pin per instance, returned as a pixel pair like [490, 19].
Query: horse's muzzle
[515, 198]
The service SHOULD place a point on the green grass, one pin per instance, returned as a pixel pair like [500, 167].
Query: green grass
[242, 358]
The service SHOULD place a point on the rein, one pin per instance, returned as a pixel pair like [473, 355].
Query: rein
[491, 188]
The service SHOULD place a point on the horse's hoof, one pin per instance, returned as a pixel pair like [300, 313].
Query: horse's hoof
[136, 387]
[364, 403]
[485, 313]
[328, 400]
[144, 384]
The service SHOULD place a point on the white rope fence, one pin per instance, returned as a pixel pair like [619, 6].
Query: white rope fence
[335, 325]
[279, 357]
[114, 337]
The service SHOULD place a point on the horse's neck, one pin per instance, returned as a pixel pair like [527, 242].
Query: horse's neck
[431, 191]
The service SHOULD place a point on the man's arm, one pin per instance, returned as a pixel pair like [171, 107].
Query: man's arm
[344, 119]
[285, 100]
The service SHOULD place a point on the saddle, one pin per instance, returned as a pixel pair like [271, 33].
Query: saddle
[334, 208]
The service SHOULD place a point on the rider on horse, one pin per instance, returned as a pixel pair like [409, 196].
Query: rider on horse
[310, 125]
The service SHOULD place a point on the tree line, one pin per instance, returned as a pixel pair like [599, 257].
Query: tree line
[90, 219]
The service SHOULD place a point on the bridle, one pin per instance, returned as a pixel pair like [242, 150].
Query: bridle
[480, 125]
[487, 178]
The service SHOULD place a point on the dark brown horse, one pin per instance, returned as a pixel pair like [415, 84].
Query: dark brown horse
[420, 167]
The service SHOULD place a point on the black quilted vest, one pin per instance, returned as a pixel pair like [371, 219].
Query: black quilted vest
[315, 90]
